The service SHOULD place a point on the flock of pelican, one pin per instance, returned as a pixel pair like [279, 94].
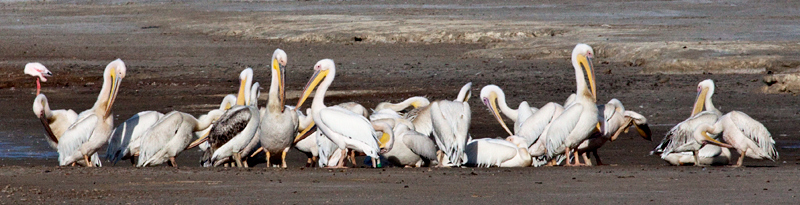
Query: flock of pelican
[412, 133]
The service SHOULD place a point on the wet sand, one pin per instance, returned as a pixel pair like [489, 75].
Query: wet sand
[175, 62]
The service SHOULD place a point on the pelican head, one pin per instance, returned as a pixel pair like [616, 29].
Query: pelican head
[228, 102]
[582, 58]
[114, 73]
[489, 96]
[465, 93]
[517, 140]
[279, 60]
[245, 78]
[705, 90]
[701, 135]
[321, 70]
[37, 70]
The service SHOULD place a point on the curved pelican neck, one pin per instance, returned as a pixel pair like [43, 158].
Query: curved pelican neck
[103, 98]
[274, 103]
[503, 105]
[709, 104]
[319, 97]
[205, 121]
[580, 82]
[41, 103]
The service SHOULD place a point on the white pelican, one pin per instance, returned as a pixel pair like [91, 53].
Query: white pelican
[321, 150]
[171, 135]
[421, 116]
[578, 120]
[679, 138]
[494, 97]
[126, 138]
[534, 130]
[39, 71]
[409, 148]
[233, 130]
[488, 152]
[227, 102]
[613, 121]
[708, 155]
[278, 125]
[55, 122]
[344, 127]
[450, 128]
[742, 132]
[254, 146]
[307, 145]
[94, 126]
[416, 102]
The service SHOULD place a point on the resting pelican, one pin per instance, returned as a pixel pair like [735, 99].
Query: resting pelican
[450, 128]
[227, 102]
[278, 125]
[421, 116]
[742, 132]
[171, 135]
[679, 138]
[578, 120]
[344, 127]
[409, 148]
[94, 126]
[708, 155]
[39, 71]
[488, 152]
[494, 97]
[235, 128]
[126, 138]
[613, 121]
[254, 146]
[317, 146]
[55, 122]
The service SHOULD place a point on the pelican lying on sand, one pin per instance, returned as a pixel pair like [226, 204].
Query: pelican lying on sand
[742, 132]
[488, 152]
[94, 126]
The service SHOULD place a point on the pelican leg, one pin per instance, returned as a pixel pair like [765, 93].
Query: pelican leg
[73, 164]
[577, 162]
[741, 159]
[568, 153]
[597, 157]
[586, 159]
[353, 158]
[238, 158]
[314, 161]
[244, 162]
[696, 161]
[268, 156]
[172, 161]
[226, 164]
[341, 159]
[374, 163]
[88, 163]
[283, 157]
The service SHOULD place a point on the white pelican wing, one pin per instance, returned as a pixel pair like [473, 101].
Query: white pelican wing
[155, 138]
[419, 144]
[450, 127]
[561, 127]
[680, 136]
[77, 134]
[751, 129]
[349, 124]
[128, 132]
[534, 126]
[488, 152]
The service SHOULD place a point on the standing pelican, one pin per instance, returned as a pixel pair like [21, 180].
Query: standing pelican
[742, 132]
[578, 120]
[278, 125]
[235, 128]
[345, 128]
[679, 138]
[488, 152]
[613, 121]
[94, 126]
[316, 145]
[171, 135]
[39, 71]
[450, 128]
[55, 122]
[126, 138]
[494, 97]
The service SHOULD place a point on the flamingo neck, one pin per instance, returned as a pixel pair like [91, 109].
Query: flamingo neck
[274, 103]
[38, 86]
[319, 97]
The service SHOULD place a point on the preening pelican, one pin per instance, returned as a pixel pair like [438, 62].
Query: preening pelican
[578, 120]
[494, 97]
[344, 127]
[415, 102]
[679, 138]
[317, 146]
[55, 122]
[171, 135]
[488, 152]
[421, 116]
[613, 121]
[126, 138]
[278, 125]
[450, 128]
[235, 128]
[227, 102]
[742, 132]
[39, 71]
[254, 146]
[94, 126]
